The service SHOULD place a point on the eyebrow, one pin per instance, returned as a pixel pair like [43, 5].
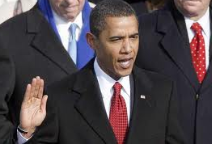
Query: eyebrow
[114, 37]
[134, 34]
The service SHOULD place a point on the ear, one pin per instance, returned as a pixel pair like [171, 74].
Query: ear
[91, 40]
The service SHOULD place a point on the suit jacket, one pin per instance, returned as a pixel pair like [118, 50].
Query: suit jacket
[8, 8]
[36, 51]
[7, 79]
[76, 114]
[164, 48]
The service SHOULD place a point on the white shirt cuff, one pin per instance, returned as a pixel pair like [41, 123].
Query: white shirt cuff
[21, 139]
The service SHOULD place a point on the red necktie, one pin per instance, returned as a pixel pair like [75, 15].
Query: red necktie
[198, 52]
[118, 114]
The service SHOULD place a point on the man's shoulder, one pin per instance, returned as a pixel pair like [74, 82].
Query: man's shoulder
[76, 80]
[157, 79]
[63, 85]
[153, 17]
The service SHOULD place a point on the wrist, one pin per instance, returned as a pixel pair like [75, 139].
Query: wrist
[27, 133]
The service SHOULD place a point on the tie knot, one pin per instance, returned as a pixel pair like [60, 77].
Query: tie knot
[196, 27]
[117, 88]
[72, 29]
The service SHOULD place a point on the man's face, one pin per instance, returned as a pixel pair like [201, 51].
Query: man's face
[192, 8]
[117, 45]
[68, 9]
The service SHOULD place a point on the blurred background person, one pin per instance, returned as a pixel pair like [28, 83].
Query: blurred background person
[146, 6]
[153, 5]
[10, 8]
[142, 6]
[138, 5]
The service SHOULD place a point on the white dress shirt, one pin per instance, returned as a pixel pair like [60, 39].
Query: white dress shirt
[206, 32]
[106, 87]
[63, 28]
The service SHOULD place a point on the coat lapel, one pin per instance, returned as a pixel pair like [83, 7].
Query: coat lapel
[176, 46]
[46, 41]
[90, 105]
[141, 107]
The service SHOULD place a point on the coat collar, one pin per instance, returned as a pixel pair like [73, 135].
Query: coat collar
[90, 104]
[46, 41]
[180, 52]
[174, 40]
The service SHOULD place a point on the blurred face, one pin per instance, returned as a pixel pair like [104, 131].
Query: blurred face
[68, 9]
[193, 9]
[117, 45]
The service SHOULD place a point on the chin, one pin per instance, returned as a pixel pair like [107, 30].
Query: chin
[192, 13]
[125, 73]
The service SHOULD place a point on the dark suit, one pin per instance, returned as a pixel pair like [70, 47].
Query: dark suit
[76, 114]
[7, 79]
[164, 48]
[36, 51]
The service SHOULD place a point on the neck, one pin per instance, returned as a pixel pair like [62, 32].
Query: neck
[196, 17]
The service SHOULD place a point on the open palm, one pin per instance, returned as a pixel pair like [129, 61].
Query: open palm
[33, 109]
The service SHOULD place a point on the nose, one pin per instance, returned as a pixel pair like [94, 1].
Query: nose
[69, 2]
[127, 46]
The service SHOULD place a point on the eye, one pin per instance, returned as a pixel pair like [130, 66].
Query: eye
[134, 36]
[115, 39]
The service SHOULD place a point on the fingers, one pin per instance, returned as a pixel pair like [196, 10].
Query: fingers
[43, 103]
[37, 87]
[41, 88]
[33, 84]
[27, 93]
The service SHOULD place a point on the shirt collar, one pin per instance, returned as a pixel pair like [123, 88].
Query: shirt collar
[108, 82]
[204, 21]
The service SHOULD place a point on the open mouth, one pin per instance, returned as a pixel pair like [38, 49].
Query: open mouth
[125, 63]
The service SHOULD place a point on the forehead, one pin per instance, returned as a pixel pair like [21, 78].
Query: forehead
[123, 22]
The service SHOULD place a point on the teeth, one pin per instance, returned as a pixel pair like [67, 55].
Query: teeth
[125, 64]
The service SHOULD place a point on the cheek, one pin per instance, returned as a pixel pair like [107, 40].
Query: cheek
[58, 3]
[81, 3]
[109, 59]
[58, 6]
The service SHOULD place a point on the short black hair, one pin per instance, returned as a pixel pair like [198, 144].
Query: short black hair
[108, 8]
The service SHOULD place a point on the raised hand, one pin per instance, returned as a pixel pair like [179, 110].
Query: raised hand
[33, 109]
